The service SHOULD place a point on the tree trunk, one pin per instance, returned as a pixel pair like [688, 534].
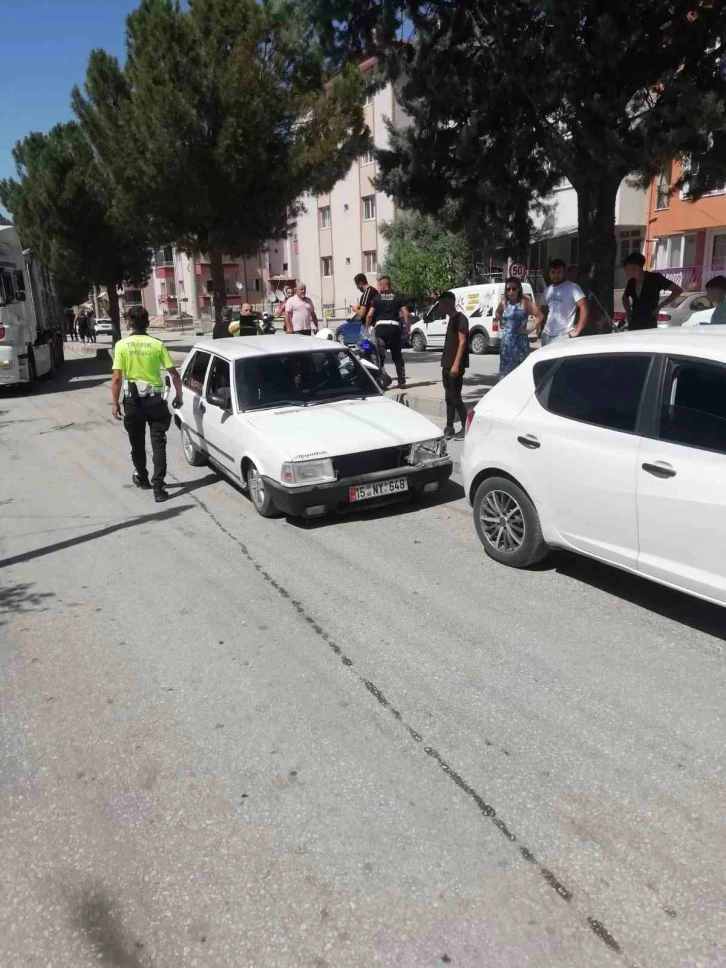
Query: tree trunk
[220, 291]
[113, 312]
[596, 198]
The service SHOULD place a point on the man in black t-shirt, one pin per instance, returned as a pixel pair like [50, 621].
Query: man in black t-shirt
[454, 361]
[384, 314]
[641, 299]
[368, 294]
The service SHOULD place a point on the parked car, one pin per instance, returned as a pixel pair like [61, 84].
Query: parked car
[302, 426]
[702, 318]
[613, 448]
[104, 325]
[683, 308]
[478, 303]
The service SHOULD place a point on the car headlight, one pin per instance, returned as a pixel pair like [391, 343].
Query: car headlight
[427, 450]
[308, 472]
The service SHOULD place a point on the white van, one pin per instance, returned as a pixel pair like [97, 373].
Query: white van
[478, 303]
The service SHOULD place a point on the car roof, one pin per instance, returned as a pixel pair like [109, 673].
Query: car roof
[708, 341]
[242, 347]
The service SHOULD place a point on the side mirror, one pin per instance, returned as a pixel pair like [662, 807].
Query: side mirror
[222, 398]
[21, 296]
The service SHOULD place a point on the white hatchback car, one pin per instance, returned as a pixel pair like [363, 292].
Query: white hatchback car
[614, 448]
[301, 424]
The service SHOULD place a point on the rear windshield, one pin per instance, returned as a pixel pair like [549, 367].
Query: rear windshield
[295, 379]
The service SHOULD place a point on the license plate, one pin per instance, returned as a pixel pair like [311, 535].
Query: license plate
[380, 489]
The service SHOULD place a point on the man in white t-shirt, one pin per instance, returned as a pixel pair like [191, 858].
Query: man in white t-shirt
[300, 315]
[566, 305]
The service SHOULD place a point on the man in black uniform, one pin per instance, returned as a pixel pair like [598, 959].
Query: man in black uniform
[221, 328]
[384, 315]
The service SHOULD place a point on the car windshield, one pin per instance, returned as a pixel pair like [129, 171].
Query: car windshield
[292, 379]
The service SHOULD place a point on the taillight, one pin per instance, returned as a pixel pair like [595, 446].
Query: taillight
[495, 326]
[619, 317]
[469, 422]
[664, 318]
[2, 332]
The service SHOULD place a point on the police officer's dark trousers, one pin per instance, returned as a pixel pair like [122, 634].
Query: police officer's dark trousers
[390, 334]
[138, 413]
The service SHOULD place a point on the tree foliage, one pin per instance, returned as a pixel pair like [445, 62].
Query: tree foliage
[508, 99]
[63, 208]
[222, 118]
[424, 256]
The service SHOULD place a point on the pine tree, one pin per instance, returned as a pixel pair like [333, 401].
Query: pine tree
[63, 208]
[509, 99]
[222, 118]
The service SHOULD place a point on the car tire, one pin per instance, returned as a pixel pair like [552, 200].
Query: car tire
[516, 538]
[193, 454]
[479, 343]
[418, 342]
[261, 500]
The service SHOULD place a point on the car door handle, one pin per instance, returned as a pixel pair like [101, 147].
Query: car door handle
[661, 469]
[529, 441]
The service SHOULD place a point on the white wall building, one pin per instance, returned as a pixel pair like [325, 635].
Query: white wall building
[556, 231]
[339, 234]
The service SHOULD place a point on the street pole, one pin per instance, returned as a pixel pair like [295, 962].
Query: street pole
[193, 293]
[95, 301]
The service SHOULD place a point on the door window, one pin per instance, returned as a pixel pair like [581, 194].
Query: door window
[219, 377]
[604, 390]
[694, 405]
[196, 371]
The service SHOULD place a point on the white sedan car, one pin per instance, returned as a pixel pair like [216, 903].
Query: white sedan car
[104, 325]
[614, 448]
[301, 424]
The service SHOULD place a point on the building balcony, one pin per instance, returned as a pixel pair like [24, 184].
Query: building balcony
[689, 278]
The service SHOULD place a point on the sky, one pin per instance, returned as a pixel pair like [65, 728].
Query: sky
[45, 50]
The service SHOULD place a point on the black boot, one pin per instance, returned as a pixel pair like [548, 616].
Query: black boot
[401, 374]
[142, 482]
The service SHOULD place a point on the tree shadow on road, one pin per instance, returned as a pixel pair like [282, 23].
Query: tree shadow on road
[19, 597]
[677, 606]
[93, 535]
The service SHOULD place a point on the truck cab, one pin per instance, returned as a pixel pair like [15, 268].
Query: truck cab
[31, 335]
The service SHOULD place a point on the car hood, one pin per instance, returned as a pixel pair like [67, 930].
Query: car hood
[342, 427]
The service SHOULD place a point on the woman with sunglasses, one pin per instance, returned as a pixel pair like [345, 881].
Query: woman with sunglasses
[512, 315]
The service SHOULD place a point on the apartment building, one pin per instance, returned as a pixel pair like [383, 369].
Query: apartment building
[686, 238]
[339, 233]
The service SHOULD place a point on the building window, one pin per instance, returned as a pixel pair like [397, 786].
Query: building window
[325, 217]
[164, 256]
[675, 251]
[284, 264]
[663, 188]
[369, 207]
[370, 261]
[367, 158]
[132, 297]
[347, 260]
[257, 285]
[326, 265]
[171, 288]
[690, 170]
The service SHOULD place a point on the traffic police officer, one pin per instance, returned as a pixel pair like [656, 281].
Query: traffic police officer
[137, 364]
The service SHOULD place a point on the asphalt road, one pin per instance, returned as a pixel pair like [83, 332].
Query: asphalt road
[230, 742]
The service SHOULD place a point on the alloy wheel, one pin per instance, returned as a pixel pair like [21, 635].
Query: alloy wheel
[502, 522]
[256, 486]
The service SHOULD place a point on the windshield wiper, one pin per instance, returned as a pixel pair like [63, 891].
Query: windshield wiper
[275, 404]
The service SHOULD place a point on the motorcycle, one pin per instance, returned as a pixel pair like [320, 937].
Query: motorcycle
[369, 353]
[265, 325]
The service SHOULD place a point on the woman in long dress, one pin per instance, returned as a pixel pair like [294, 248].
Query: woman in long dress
[512, 314]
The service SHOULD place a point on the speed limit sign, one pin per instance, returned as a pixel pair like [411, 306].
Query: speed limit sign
[518, 270]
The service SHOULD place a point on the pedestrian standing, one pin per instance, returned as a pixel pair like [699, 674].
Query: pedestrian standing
[82, 326]
[512, 314]
[91, 328]
[716, 292]
[454, 362]
[245, 325]
[368, 294]
[289, 291]
[137, 365]
[641, 299]
[565, 303]
[300, 317]
[385, 314]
